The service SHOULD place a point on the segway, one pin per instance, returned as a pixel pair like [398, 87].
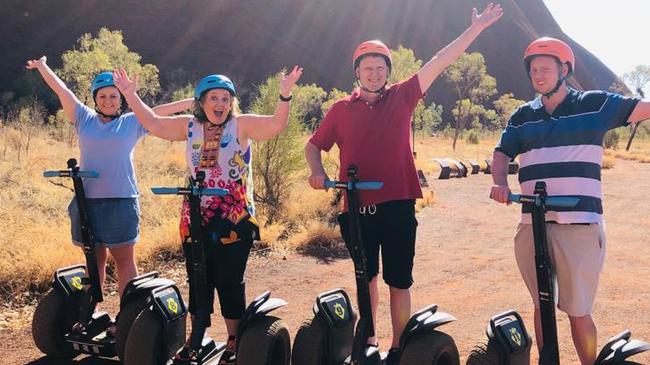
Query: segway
[262, 339]
[65, 323]
[328, 339]
[616, 350]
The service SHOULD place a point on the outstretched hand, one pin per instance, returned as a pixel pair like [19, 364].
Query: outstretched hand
[123, 83]
[489, 16]
[32, 64]
[288, 81]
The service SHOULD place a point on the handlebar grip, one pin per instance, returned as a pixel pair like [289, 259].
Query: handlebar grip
[187, 191]
[56, 173]
[91, 174]
[361, 185]
[369, 185]
[562, 201]
[550, 201]
[215, 191]
[160, 191]
[515, 198]
[67, 173]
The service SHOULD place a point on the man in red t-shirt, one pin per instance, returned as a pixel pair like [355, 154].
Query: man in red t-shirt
[371, 128]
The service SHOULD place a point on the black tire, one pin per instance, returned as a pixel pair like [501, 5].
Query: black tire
[52, 320]
[484, 354]
[144, 345]
[430, 348]
[265, 342]
[309, 343]
[125, 320]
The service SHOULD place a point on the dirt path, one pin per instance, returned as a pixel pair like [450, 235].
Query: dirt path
[465, 264]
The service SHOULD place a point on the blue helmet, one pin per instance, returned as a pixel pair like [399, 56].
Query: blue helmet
[103, 79]
[214, 82]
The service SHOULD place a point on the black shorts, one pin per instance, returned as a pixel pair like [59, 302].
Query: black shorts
[393, 228]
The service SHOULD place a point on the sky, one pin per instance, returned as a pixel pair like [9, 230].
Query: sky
[615, 31]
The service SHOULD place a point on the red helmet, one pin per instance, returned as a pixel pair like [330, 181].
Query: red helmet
[547, 46]
[375, 47]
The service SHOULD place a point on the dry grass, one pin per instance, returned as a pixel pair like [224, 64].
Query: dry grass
[609, 159]
[640, 148]
[36, 230]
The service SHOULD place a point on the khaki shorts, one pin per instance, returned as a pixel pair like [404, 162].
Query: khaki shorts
[577, 253]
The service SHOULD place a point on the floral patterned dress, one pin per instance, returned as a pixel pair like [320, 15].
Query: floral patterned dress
[227, 165]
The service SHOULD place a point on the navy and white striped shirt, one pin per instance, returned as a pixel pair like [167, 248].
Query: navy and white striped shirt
[565, 149]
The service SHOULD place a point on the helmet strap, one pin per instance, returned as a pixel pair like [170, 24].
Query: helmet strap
[557, 87]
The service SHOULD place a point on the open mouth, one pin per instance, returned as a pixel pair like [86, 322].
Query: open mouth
[218, 113]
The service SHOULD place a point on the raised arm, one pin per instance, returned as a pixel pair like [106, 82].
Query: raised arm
[172, 128]
[173, 107]
[448, 55]
[68, 99]
[263, 127]
[641, 111]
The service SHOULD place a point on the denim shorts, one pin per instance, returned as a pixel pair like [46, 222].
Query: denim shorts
[114, 222]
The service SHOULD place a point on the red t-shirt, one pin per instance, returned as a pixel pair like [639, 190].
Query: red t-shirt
[376, 138]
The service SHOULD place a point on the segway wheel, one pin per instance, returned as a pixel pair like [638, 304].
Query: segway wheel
[431, 348]
[265, 342]
[484, 354]
[125, 320]
[144, 344]
[53, 318]
[309, 343]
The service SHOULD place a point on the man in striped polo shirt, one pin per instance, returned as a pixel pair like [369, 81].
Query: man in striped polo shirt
[558, 137]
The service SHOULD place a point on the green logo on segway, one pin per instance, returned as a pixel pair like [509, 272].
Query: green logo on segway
[75, 282]
[172, 305]
[339, 310]
[515, 336]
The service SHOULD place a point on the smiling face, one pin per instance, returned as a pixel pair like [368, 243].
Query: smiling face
[372, 72]
[216, 105]
[545, 73]
[108, 100]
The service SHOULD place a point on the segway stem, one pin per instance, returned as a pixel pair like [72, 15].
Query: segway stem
[364, 328]
[201, 319]
[94, 295]
[549, 353]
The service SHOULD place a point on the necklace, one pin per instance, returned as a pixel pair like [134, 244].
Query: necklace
[211, 144]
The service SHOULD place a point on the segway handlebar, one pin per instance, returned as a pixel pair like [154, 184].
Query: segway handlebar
[361, 185]
[189, 191]
[70, 173]
[550, 201]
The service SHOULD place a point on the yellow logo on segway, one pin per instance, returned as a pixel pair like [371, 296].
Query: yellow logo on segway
[515, 336]
[339, 310]
[76, 282]
[172, 305]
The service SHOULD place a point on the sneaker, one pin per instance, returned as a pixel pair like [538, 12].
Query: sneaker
[392, 358]
[229, 356]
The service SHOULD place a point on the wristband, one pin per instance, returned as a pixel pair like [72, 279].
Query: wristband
[282, 98]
